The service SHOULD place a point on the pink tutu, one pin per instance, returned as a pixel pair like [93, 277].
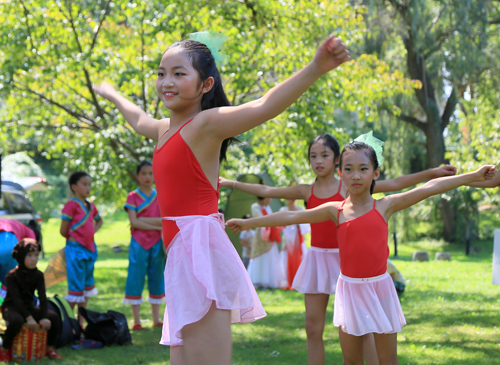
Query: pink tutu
[318, 271]
[367, 305]
[203, 266]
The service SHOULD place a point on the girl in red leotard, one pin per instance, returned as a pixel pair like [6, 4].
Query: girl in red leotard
[206, 284]
[318, 273]
[365, 300]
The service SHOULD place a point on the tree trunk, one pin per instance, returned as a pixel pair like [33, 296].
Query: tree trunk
[435, 157]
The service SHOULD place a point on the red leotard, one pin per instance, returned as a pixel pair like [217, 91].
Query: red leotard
[363, 245]
[181, 185]
[324, 234]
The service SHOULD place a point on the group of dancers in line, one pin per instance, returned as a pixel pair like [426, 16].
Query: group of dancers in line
[207, 287]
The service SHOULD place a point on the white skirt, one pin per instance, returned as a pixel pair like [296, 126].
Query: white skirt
[203, 267]
[318, 272]
[367, 305]
[267, 270]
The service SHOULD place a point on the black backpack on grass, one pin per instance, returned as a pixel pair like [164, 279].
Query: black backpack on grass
[70, 329]
[109, 328]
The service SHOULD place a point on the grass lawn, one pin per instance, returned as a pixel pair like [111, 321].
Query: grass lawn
[452, 310]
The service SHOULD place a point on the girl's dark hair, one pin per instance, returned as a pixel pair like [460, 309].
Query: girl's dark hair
[75, 177]
[370, 152]
[329, 141]
[203, 61]
[141, 164]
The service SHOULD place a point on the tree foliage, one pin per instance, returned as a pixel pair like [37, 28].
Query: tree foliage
[448, 46]
[53, 51]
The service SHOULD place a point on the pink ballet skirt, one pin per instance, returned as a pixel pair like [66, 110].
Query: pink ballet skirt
[318, 271]
[202, 267]
[367, 305]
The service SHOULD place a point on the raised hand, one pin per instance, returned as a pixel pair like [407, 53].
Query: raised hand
[331, 54]
[445, 170]
[105, 90]
[485, 173]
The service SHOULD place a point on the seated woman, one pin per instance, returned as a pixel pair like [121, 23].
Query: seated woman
[18, 307]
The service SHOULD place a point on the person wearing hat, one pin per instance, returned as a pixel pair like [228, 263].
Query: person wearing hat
[19, 308]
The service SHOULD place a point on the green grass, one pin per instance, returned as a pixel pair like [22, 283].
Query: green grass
[452, 310]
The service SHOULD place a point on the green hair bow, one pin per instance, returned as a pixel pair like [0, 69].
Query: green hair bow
[214, 42]
[374, 143]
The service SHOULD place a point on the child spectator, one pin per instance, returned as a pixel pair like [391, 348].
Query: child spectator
[18, 307]
[80, 221]
[146, 254]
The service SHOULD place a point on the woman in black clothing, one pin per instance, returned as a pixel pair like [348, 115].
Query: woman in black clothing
[18, 307]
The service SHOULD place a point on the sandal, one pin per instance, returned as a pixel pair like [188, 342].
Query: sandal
[52, 354]
[137, 327]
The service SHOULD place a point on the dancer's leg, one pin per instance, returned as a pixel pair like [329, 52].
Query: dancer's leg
[315, 324]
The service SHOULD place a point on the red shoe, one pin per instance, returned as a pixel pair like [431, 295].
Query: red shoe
[137, 327]
[52, 354]
[158, 324]
[5, 355]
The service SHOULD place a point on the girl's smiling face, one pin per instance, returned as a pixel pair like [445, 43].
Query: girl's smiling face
[178, 83]
[357, 171]
[322, 159]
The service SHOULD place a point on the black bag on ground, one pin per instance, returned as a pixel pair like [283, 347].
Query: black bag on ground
[70, 329]
[108, 328]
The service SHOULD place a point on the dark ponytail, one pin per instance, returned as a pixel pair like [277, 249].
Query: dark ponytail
[202, 61]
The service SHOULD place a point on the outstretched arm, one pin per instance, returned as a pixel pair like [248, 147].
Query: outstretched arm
[227, 122]
[404, 200]
[406, 181]
[321, 213]
[291, 192]
[493, 183]
[138, 119]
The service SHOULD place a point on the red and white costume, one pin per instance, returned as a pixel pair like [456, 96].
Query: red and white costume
[366, 299]
[202, 264]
